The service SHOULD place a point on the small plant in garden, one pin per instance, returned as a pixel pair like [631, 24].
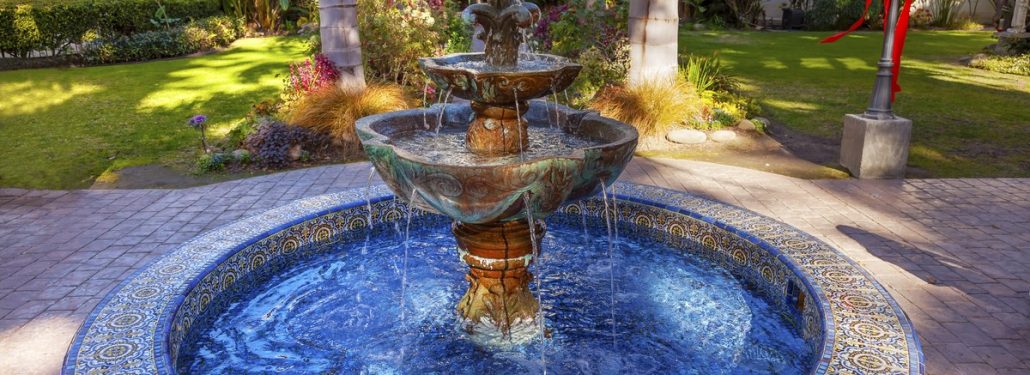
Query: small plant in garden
[706, 73]
[1003, 64]
[211, 162]
[653, 108]
[922, 17]
[275, 144]
[333, 110]
[310, 76]
[944, 12]
[198, 122]
[161, 18]
[600, 70]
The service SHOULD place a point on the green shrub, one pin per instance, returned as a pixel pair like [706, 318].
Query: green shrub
[839, 14]
[29, 26]
[599, 70]
[393, 38]
[1003, 64]
[706, 73]
[178, 41]
[944, 12]
[212, 162]
[25, 32]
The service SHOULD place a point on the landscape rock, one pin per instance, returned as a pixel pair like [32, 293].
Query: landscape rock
[723, 136]
[686, 136]
[745, 124]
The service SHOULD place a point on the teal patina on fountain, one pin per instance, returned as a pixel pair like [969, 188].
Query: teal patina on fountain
[498, 163]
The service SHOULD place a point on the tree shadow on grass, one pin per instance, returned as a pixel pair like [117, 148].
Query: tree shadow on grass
[966, 122]
[132, 112]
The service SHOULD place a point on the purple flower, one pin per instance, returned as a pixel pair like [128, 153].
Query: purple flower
[197, 120]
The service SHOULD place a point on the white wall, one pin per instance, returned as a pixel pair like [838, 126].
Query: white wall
[983, 14]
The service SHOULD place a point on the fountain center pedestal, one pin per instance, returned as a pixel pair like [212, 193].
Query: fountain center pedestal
[498, 299]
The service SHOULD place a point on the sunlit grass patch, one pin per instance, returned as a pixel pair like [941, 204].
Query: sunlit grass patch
[65, 127]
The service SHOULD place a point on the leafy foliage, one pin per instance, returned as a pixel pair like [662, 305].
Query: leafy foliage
[149, 45]
[595, 37]
[270, 144]
[944, 12]
[212, 162]
[706, 73]
[394, 36]
[601, 67]
[309, 76]
[839, 14]
[53, 26]
[580, 27]
[267, 15]
[1003, 64]
[746, 12]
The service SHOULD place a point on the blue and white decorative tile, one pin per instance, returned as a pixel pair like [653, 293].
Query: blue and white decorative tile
[844, 314]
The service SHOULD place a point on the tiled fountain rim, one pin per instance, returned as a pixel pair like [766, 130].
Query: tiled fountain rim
[207, 251]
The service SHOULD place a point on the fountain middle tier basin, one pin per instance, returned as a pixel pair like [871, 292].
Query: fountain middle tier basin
[570, 154]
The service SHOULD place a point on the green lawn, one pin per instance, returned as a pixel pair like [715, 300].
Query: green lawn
[967, 122]
[64, 127]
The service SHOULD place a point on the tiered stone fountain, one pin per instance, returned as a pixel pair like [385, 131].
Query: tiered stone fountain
[492, 171]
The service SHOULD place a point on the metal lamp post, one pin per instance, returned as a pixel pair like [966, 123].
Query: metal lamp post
[880, 106]
[875, 143]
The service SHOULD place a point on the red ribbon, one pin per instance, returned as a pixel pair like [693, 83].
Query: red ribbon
[899, 37]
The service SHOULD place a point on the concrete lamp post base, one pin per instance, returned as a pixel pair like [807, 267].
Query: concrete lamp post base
[872, 148]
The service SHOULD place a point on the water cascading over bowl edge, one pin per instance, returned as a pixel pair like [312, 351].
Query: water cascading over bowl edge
[498, 183]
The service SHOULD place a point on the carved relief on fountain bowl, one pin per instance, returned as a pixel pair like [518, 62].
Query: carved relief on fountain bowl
[492, 190]
[467, 76]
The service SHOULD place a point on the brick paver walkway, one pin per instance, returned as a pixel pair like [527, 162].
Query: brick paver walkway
[954, 253]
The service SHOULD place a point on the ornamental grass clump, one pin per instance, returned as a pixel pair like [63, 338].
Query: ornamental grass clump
[653, 107]
[333, 110]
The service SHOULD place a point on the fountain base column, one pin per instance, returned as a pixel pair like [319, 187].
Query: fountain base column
[498, 130]
[498, 301]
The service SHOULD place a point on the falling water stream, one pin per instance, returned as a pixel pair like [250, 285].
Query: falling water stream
[611, 261]
[439, 117]
[518, 124]
[368, 194]
[541, 319]
[407, 237]
[425, 109]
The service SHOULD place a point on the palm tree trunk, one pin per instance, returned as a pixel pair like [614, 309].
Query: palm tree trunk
[340, 41]
[653, 38]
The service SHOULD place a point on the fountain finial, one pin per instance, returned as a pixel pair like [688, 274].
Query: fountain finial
[502, 22]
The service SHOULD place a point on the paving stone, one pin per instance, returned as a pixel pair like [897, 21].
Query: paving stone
[954, 252]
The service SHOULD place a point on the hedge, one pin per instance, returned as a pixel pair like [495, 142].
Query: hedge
[148, 45]
[31, 26]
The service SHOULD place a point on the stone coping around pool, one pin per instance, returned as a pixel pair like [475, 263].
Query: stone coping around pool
[130, 330]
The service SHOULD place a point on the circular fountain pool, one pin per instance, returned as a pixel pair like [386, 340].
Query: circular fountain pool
[699, 287]
[341, 312]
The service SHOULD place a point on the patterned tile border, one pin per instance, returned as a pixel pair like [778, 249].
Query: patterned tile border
[139, 327]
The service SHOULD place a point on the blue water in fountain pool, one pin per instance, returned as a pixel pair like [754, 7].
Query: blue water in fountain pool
[338, 313]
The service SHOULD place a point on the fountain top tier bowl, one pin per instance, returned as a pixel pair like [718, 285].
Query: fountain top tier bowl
[470, 76]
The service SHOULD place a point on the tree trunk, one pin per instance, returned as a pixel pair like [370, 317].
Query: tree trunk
[340, 41]
[653, 38]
